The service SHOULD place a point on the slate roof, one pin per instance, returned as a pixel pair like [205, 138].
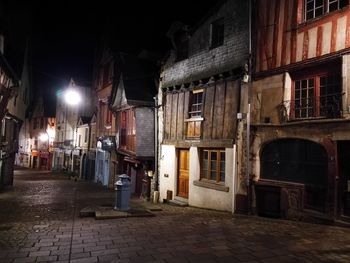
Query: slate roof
[137, 76]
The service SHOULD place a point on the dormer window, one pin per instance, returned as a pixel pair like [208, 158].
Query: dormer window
[217, 33]
[181, 42]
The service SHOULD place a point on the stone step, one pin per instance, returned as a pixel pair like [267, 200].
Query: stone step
[178, 202]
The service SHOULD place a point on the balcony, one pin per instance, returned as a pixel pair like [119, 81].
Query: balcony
[327, 107]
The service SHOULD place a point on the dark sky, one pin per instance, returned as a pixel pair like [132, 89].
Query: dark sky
[65, 33]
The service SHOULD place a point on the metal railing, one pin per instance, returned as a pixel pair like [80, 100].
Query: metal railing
[325, 106]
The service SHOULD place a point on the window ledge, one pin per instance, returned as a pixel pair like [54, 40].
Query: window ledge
[211, 185]
[195, 119]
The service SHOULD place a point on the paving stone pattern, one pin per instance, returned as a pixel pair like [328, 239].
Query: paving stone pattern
[39, 222]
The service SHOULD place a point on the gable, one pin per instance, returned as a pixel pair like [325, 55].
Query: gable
[120, 97]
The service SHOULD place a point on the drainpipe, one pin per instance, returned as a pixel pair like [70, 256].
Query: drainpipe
[248, 109]
[156, 168]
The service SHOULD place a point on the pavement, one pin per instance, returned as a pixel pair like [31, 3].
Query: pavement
[40, 221]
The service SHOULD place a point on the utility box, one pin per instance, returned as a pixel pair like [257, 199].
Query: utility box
[123, 193]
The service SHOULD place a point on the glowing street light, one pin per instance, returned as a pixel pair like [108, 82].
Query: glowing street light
[72, 97]
[44, 137]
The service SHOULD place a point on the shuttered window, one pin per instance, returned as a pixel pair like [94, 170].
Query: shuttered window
[195, 114]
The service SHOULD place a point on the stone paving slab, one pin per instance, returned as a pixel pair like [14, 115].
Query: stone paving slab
[40, 222]
[138, 208]
[109, 213]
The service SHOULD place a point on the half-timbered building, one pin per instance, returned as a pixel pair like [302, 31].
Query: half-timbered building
[199, 98]
[133, 104]
[300, 114]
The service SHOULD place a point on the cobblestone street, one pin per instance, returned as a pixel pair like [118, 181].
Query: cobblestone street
[40, 223]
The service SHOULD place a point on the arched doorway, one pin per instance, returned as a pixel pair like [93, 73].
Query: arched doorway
[298, 161]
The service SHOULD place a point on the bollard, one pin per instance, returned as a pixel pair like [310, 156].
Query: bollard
[123, 193]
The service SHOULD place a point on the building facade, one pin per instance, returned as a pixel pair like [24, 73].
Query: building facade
[199, 97]
[66, 153]
[133, 104]
[106, 159]
[14, 88]
[300, 113]
[41, 137]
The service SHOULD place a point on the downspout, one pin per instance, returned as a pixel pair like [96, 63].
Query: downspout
[248, 109]
[156, 166]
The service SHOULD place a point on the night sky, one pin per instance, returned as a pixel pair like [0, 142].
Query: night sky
[65, 33]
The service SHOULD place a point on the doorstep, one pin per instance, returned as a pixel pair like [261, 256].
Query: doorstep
[178, 201]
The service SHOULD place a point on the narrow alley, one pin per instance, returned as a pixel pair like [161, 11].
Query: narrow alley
[40, 223]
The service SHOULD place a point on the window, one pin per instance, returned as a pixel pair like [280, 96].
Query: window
[317, 8]
[93, 139]
[109, 118]
[86, 135]
[123, 129]
[34, 123]
[317, 96]
[195, 114]
[79, 140]
[106, 72]
[196, 104]
[127, 130]
[217, 33]
[213, 165]
[181, 42]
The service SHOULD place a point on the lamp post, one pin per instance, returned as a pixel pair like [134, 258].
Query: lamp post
[71, 97]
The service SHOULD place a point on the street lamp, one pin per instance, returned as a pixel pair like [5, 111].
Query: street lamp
[71, 97]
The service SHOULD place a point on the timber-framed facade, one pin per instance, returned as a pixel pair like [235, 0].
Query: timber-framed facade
[301, 109]
[199, 97]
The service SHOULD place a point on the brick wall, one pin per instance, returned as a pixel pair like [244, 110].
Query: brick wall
[144, 132]
[203, 61]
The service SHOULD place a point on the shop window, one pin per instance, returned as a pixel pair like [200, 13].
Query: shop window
[298, 161]
[213, 165]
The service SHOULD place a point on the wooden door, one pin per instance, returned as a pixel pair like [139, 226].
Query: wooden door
[183, 168]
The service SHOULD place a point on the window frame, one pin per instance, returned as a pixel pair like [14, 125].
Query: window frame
[217, 33]
[325, 6]
[86, 133]
[127, 130]
[330, 70]
[205, 174]
[194, 114]
[195, 117]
